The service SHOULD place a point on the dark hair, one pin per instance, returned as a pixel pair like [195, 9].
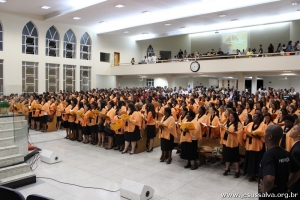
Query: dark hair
[250, 104]
[269, 115]
[276, 132]
[88, 105]
[260, 117]
[103, 104]
[132, 108]
[168, 110]
[249, 117]
[192, 114]
[236, 120]
[150, 108]
[203, 109]
[80, 105]
[185, 109]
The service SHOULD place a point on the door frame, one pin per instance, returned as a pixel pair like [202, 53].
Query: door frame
[116, 53]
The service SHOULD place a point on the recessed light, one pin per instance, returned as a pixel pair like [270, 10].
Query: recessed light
[76, 18]
[145, 33]
[45, 7]
[119, 6]
[146, 12]
[2, 1]
[234, 20]
[223, 15]
[183, 27]
[295, 3]
[287, 71]
[167, 24]
[126, 32]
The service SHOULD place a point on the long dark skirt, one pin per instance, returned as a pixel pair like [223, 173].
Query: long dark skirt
[252, 161]
[167, 145]
[119, 139]
[66, 124]
[73, 126]
[189, 150]
[151, 131]
[230, 154]
[86, 130]
[133, 136]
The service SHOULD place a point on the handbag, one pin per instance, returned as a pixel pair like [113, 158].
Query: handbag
[107, 129]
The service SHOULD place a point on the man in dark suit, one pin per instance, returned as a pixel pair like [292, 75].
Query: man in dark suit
[295, 152]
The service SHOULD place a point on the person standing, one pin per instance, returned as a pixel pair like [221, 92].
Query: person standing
[295, 152]
[132, 61]
[277, 168]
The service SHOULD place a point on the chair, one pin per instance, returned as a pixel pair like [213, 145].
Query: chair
[11, 194]
[37, 197]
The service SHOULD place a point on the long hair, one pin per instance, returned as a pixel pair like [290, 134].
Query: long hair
[132, 108]
[150, 108]
[236, 120]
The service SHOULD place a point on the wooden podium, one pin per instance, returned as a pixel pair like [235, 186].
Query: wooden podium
[141, 144]
[51, 126]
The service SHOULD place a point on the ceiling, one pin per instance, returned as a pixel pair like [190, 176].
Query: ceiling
[193, 15]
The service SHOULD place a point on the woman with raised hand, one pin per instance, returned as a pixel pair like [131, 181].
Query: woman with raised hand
[167, 132]
[189, 141]
[254, 144]
[132, 129]
[230, 139]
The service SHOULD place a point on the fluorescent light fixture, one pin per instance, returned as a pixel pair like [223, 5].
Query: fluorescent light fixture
[145, 33]
[216, 32]
[119, 6]
[223, 15]
[167, 24]
[2, 1]
[234, 20]
[76, 18]
[295, 3]
[146, 12]
[45, 7]
[102, 22]
[287, 71]
[126, 32]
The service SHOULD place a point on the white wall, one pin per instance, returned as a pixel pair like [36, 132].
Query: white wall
[105, 81]
[281, 83]
[131, 82]
[172, 44]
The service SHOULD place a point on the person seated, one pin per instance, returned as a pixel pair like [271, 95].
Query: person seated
[132, 61]
[220, 52]
[212, 52]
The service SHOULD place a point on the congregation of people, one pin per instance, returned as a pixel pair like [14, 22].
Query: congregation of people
[240, 120]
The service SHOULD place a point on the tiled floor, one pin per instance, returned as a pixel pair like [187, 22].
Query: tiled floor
[92, 166]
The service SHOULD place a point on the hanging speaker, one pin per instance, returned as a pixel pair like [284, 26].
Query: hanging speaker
[135, 191]
[49, 157]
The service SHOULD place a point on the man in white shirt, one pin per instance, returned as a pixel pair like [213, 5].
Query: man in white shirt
[149, 59]
[153, 58]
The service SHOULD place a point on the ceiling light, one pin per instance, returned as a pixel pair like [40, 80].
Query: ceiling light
[146, 12]
[223, 15]
[126, 32]
[287, 71]
[167, 24]
[145, 33]
[295, 3]
[102, 22]
[76, 18]
[2, 1]
[45, 7]
[183, 27]
[234, 20]
[216, 32]
[119, 6]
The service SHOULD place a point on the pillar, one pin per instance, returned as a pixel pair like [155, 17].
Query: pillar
[190, 82]
[171, 81]
[240, 82]
[254, 84]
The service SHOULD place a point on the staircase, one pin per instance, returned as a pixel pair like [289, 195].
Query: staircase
[14, 172]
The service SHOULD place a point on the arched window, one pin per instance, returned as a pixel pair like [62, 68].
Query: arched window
[150, 51]
[85, 47]
[69, 44]
[30, 39]
[1, 38]
[52, 42]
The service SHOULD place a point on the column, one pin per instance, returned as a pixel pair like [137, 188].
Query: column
[240, 82]
[118, 82]
[171, 81]
[190, 82]
[254, 84]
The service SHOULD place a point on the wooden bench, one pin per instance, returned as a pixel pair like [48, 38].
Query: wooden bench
[142, 144]
[205, 147]
[51, 126]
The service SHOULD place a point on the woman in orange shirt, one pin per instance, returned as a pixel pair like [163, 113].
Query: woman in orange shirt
[250, 107]
[72, 118]
[189, 142]
[159, 111]
[119, 134]
[213, 126]
[35, 115]
[230, 151]
[286, 141]
[202, 119]
[100, 123]
[151, 128]
[66, 114]
[254, 146]
[132, 129]
[167, 132]
[85, 129]
[59, 110]
[268, 119]
[111, 112]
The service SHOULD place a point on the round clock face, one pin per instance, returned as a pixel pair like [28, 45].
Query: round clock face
[195, 66]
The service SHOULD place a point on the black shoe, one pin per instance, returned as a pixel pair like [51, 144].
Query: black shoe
[194, 167]
[150, 150]
[187, 166]
[237, 174]
[116, 149]
[162, 160]
[226, 172]
[169, 161]
[108, 148]
[123, 152]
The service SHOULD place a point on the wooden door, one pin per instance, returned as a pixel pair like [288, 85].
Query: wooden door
[116, 59]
